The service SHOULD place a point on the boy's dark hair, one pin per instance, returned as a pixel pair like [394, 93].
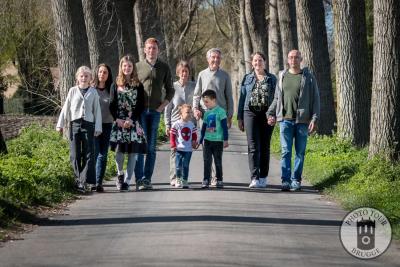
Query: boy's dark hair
[211, 94]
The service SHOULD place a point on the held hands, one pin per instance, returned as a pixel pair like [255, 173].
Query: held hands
[97, 133]
[271, 120]
[229, 122]
[60, 130]
[197, 114]
[167, 131]
[195, 145]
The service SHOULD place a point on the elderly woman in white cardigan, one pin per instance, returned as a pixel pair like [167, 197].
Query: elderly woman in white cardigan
[82, 111]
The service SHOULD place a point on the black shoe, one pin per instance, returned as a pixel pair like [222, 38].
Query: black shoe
[145, 185]
[99, 189]
[124, 187]
[80, 188]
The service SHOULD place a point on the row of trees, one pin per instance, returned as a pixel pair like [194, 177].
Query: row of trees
[86, 32]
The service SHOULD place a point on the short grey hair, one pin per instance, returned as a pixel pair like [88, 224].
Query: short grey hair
[214, 50]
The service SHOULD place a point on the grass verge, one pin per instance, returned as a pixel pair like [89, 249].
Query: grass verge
[345, 173]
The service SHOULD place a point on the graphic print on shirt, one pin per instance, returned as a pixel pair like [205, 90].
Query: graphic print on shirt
[211, 123]
[186, 133]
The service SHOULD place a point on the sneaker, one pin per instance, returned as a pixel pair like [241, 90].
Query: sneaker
[80, 188]
[262, 183]
[254, 184]
[145, 185]
[99, 188]
[119, 181]
[172, 181]
[214, 181]
[204, 184]
[185, 184]
[219, 184]
[285, 186]
[295, 186]
[178, 183]
[124, 187]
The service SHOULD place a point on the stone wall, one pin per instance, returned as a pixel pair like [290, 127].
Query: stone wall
[11, 125]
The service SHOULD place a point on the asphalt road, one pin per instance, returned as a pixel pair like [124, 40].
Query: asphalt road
[234, 226]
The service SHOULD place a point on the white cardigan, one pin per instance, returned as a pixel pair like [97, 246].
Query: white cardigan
[76, 107]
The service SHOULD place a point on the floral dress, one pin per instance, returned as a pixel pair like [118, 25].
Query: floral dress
[127, 104]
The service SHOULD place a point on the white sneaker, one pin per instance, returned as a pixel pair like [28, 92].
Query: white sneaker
[254, 183]
[178, 183]
[262, 182]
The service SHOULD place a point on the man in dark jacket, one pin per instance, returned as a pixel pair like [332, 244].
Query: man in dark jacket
[156, 78]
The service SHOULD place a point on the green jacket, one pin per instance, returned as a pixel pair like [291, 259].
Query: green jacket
[308, 108]
[157, 82]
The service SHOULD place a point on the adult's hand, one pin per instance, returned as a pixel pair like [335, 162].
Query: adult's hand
[312, 127]
[197, 114]
[60, 130]
[241, 125]
[271, 120]
[229, 122]
[167, 130]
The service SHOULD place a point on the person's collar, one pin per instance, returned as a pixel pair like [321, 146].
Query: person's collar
[213, 70]
[151, 65]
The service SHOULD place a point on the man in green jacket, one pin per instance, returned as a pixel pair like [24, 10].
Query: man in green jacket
[296, 106]
[156, 78]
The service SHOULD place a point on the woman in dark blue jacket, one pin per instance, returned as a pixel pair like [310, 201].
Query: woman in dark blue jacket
[256, 95]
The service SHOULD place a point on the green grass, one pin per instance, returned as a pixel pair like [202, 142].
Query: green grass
[345, 173]
[36, 172]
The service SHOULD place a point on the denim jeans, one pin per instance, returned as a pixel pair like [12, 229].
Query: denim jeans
[182, 161]
[130, 166]
[213, 149]
[290, 130]
[258, 134]
[82, 151]
[150, 120]
[101, 144]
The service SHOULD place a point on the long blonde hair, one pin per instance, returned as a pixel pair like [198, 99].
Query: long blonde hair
[121, 80]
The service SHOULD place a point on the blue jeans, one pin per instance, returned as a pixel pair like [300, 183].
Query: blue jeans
[182, 161]
[150, 120]
[290, 130]
[101, 144]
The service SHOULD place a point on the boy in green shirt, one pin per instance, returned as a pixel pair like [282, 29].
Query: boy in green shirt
[214, 132]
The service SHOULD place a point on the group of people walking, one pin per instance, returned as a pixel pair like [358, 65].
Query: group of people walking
[124, 115]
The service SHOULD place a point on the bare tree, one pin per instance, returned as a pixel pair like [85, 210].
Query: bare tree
[79, 33]
[126, 29]
[64, 45]
[246, 39]
[148, 24]
[92, 34]
[351, 54]
[288, 27]
[257, 25]
[385, 104]
[275, 44]
[313, 45]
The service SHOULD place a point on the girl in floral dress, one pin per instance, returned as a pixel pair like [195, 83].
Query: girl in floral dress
[127, 138]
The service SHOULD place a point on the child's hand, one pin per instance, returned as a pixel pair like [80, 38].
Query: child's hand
[195, 145]
[120, 123]
[226, 144]
[173, 149]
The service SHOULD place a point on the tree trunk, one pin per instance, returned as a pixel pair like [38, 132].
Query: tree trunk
[257, 25]
[127, 38]
[64, 45]
[79, 33]
[385, 104]
[3, 147]
[92, 34]
[313, 46]
[351, 56]
[246, 40]
[146, 28]
[275, 44]
[288, 27]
